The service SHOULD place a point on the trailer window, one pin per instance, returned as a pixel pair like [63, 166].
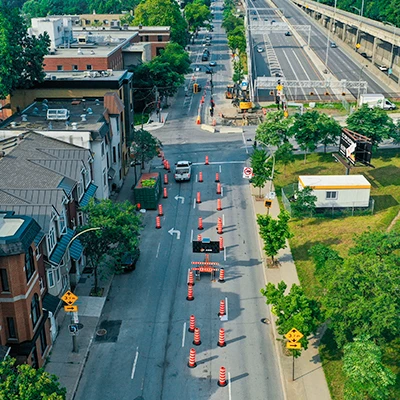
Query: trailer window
[331, 195]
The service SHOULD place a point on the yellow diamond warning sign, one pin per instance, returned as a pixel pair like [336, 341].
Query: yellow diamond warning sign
[69, 298]
[294, 335]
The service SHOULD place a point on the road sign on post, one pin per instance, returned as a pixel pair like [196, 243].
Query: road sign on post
[247, 172]
[293, 336]
[69, 298]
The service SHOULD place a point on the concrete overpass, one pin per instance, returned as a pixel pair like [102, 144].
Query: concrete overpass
[381, 42]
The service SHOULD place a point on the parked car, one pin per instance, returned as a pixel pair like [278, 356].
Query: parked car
[260, 49]
[129, 260]
[383, 68]
[212, 64]
[288, 33]
[333, 45]
[365, 55]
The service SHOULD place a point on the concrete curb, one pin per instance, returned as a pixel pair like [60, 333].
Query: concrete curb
[207, 128]
[228, 129]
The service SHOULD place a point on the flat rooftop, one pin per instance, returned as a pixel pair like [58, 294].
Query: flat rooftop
[35, 116]
[334, 181]
[109, 76]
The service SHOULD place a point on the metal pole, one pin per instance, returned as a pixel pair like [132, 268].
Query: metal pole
[328, 39]
[293, 366]
[359, 23]
[74, 344]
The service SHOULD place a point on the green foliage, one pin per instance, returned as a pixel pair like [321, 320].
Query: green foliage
[294, 310]
[162, 13]
[326, 260]
[21, 55]
[120, 229]
[148, 183]
[377, 244]
[238, 71]
[176, 57]
[329, 130]
[284, 154]
[23, 382]
[144, 147]
[304, 205]
[262, 169]
[237, 39]
[367, 377]
[275, 129]
[274, 232]
[374, 123]
[362, 296]
[196, 14]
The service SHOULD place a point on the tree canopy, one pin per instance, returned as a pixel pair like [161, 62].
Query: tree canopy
[23, 382]
[304, 204]
[262, 168]
[21, 55]
[374, 123]
[162, 13]
[144, 147]
[275, 129]
[120, 229]
[196, 14]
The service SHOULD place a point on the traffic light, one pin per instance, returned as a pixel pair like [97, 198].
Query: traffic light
[195, 88]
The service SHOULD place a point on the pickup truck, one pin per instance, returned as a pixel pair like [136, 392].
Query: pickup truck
[183, 171]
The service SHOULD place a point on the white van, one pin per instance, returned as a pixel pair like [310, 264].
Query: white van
[183, 171]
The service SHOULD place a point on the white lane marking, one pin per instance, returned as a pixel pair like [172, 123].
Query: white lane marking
[184, 334]
[134, 363]
[245, 144]
[224, 253]
[220, 169]
[158, 249]
[220, 162]
[294, 71]
[191, 236]
[229, 386]
[223, 219]
[226, 307]
[194, 203]
[222, 191]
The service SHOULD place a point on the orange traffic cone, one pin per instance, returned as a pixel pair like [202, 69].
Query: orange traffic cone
[221, 339]
[221, 308]
[200, 177]
[200, 227]
[198, 198]
[222, 377]
[192, 359]
[218, 188]
[219, 226]
[165, 179]
[165, 196]
[199, 238]
[191, 279]
[160, 210]
[192, 323]
[217, 177]
[190, 293]
[158, 223]
[221, 276]
[206, 162]
[219, 205]
[221, 243]
[196, 340]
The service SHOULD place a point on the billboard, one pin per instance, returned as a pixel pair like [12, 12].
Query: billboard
[355, 147]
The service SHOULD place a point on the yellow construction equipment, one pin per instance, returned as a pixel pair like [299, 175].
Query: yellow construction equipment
[229, 94]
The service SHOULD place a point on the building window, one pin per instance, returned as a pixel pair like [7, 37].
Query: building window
[104, 177]
[159, 38]
[331, 195]
[80, 218]
[79, 190]
[50, 278]
[108, 162]
[114, 155]
[146, 38]
[51, 238]
[43, 341]
[102, 148]
[5, 287]
[12, 333]
[35, 310]
[38, 253]
[58, 275]
[119, 153]
[158, 50]
[88, 67]
[74, 67]
[29, 264]
[59, 67]
[41, 284]
[62, 222]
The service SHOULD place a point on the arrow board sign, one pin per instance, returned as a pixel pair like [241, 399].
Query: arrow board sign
[201, 247]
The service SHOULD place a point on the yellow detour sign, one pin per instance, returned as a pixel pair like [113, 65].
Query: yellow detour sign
[358, 45]
[268, 203]
[69, 298]
[71, 308]
[285, 114]
[293, 346]
[294, 335]
[279, 87]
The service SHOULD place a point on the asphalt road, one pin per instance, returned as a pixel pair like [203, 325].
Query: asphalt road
[294, 62]
[147, 313]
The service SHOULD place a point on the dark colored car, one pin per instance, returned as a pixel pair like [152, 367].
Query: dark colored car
[288, 33]
[365, 55]
[129, 260]
[212, 64]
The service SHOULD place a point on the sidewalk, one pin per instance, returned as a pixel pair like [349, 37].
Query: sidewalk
[310, 382]
[68, 366]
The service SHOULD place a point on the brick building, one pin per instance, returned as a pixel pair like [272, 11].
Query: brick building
[25, 326]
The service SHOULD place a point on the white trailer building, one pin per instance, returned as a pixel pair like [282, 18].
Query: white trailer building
[338, 191]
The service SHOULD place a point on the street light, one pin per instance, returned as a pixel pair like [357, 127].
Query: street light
[394, 37]
[359, 81]
[359, 23]
[149, 104]
[329, 32]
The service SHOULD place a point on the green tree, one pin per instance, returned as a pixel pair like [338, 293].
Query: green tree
[238, 71]
[162, 13]
[374, 123]
[304, 202]
[326, 260]
[294, 310]
[362, 296]
[306, 131]
[275, 129]
[21, 55]
[231, 22]
[262, 168]
[120, 230]
[274, 232]
[284, 155]
[196, 14]
[367, 376]
[329, 130]
[23, 382]
[237, 39]
[176, 57]
[144, 147]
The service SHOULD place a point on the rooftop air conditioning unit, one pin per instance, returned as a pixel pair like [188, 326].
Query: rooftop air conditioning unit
[83, 117]
[53, 77]
[24, 118]
[13, 124]
[74, 126]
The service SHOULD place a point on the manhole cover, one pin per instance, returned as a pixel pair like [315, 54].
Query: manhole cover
[265, 321]
[101, 332]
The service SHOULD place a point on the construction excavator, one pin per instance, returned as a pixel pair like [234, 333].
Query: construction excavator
[240, 97]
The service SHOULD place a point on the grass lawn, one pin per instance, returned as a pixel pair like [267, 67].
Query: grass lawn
[339, 232]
